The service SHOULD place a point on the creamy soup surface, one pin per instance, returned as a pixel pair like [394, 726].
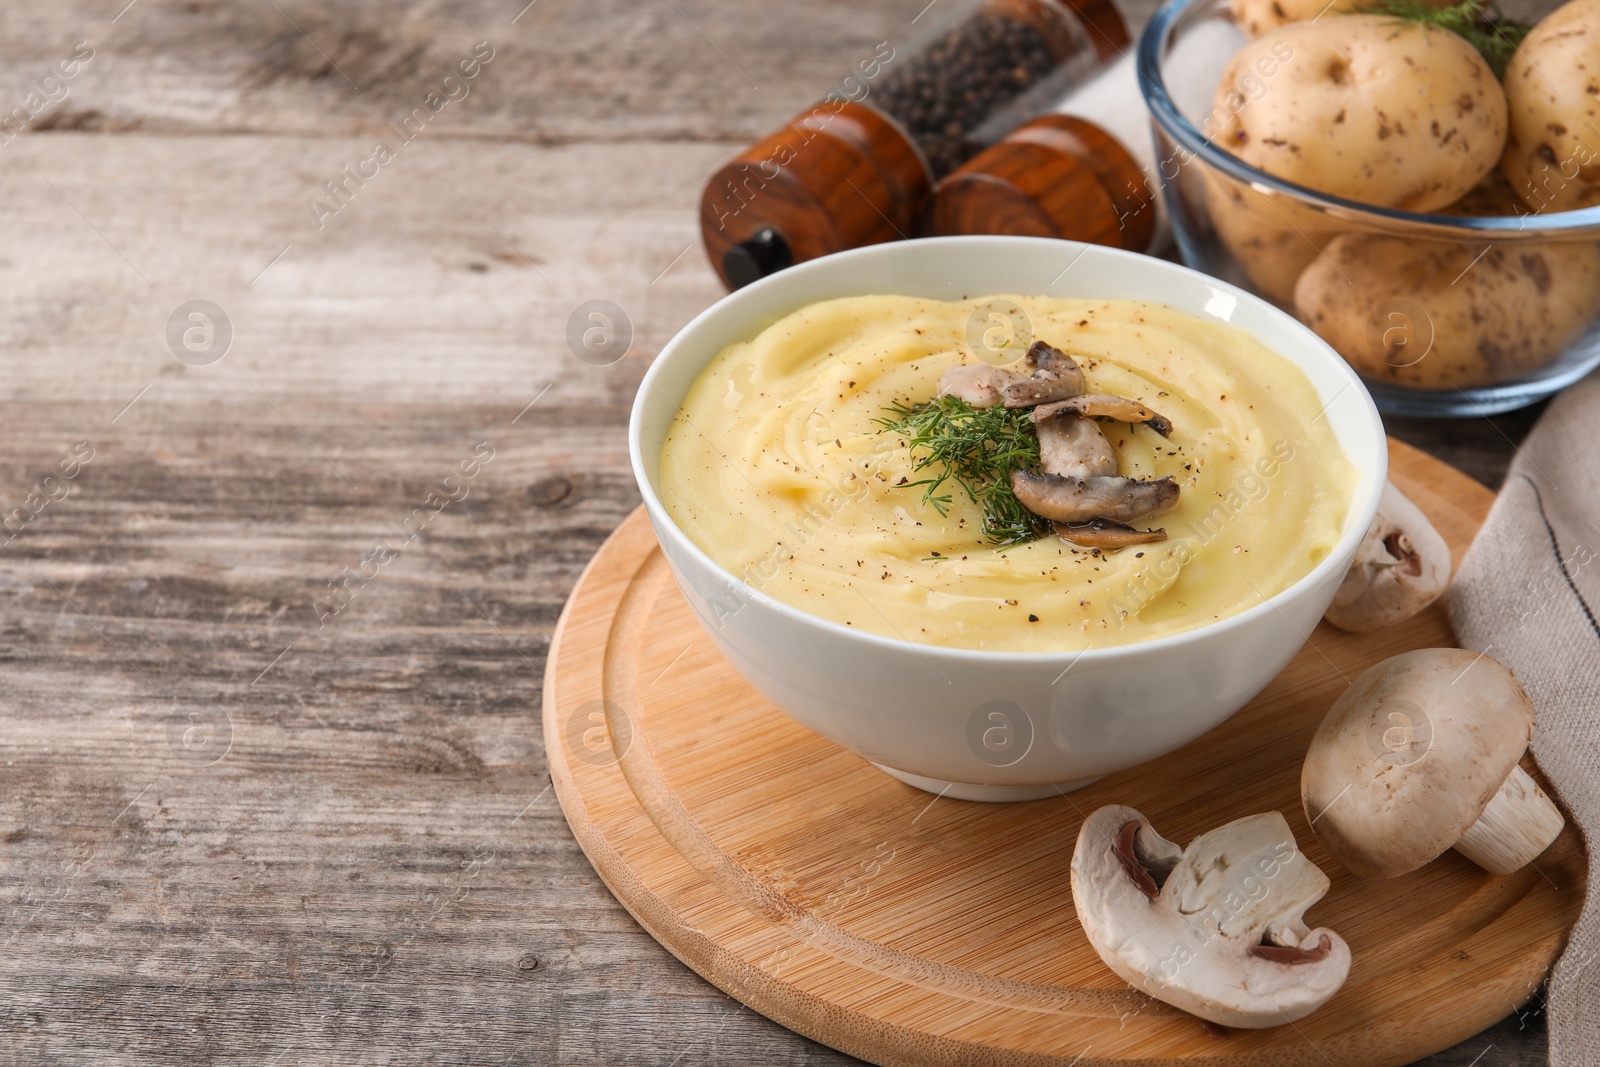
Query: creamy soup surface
[777, 468]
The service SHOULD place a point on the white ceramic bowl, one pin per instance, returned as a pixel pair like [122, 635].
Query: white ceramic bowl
[1000, 725]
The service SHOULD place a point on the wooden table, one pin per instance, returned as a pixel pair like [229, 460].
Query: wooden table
[273, 785]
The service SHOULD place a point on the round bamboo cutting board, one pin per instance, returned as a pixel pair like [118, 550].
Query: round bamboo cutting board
[909, 929]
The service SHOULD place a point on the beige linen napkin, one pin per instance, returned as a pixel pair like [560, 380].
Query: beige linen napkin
[1528, 594]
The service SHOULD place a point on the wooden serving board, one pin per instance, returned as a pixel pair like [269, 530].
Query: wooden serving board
[909, 929]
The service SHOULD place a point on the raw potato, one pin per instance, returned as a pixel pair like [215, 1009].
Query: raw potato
[1424, 314]
[1365, 107]
[1256, 17]
[1553, 86]
[1266, 238]
[1492, 197]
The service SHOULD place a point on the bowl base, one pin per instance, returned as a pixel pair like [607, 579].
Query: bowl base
[1003, 794]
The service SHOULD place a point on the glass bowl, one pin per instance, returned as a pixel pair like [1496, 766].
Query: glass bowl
[1407, 328]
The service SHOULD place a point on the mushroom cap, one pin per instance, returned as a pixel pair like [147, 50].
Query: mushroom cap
[1067, 499]
[1055, 376]
[1410, 755]
[1105, 534]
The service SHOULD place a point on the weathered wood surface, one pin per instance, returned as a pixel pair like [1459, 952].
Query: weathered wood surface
[232, 830]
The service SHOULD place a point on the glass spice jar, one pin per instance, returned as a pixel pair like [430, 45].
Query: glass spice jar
[858, 167]
[986, 72]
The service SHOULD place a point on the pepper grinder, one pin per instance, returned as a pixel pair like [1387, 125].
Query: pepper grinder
[1057, 176]
[1066, 175]
[859, 166]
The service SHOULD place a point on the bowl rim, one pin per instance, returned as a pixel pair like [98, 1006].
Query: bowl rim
[1582, 222]
[1362, 508]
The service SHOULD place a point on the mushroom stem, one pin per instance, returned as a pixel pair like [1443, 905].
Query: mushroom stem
[1519, 823]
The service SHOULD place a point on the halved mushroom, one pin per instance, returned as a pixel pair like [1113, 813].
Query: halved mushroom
[1074, 500]
[1074, 446]
[1101, 406]
[1055, 376]
[1402, 566]
[1216, 929]
[1103, 533]
[979, 384]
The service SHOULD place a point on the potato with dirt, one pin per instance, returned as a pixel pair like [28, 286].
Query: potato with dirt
[1256, 17]
[1366, 107]
[1552, 85]
[1451, 315]
[1402, 318]
[1267, 236]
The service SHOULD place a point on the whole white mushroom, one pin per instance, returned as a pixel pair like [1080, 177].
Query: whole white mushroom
[1420, 755]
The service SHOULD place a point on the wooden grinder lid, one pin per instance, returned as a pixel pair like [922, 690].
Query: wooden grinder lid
[834, 177]
[1057, 176]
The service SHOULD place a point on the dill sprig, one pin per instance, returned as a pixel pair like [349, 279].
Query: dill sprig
[978, 448]
[1496, 38]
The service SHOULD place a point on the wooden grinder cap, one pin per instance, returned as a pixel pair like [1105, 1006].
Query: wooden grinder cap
[833, 178]
[1057, 176]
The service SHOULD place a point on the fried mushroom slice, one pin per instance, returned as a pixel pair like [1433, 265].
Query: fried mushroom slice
[979, 384]
[1105, 534]
[1078, 500]
[1074, 446]
[1055, 376]
[1101, 406]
